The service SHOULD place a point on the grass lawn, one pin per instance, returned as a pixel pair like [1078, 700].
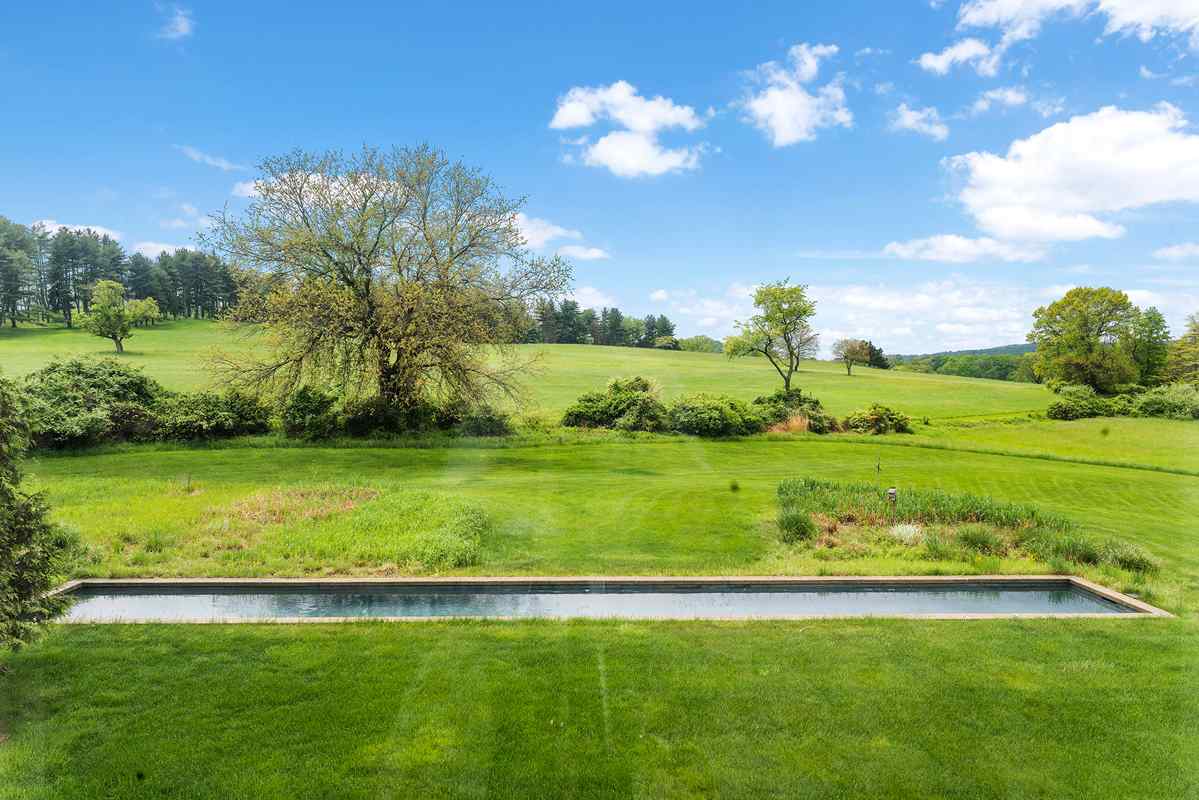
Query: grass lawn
[175, 353]
[846, 709]
[981, 709]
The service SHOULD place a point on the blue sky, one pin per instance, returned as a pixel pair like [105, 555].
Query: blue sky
[934, 171]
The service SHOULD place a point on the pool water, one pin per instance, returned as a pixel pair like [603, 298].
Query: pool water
[640, 600]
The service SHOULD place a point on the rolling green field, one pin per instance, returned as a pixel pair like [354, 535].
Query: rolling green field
[175, 353]
[875, 708]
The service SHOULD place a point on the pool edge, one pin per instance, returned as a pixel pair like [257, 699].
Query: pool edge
[1138, 608]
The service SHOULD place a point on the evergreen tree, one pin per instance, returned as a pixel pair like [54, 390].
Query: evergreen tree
[1183, 361]
[663, 327]
[547, 320]
[649, 331]
[877, 359]
[61, 273]
[570, 323]
[1147, 342]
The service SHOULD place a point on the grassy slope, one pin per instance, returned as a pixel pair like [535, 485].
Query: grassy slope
[175, 353]
[824, 709]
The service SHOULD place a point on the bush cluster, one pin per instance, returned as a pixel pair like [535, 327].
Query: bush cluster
[714, 415]
[82, 402]
[1171, 401]
[878, 420]
[313, 413]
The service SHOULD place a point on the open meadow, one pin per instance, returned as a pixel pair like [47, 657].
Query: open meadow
[881, 708]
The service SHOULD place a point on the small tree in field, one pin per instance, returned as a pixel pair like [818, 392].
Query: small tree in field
[143, 312]
[33, 552]
[851, 351]
[780, 331]
[108, 317]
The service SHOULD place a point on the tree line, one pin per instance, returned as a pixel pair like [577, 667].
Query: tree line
[51, 276]
[564, 322]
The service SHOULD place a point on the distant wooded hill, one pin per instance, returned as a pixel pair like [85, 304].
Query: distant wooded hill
[1009, 362]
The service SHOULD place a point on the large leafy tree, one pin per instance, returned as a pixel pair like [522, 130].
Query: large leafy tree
[382, 272]
[780, 332]
[1147, 343]
[1183, 360]
[33, 552]
[1079, 338]
[109, 318]
[850, 352]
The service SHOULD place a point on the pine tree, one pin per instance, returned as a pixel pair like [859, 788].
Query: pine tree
[1183, 360]
[61, 272]
[649, 331]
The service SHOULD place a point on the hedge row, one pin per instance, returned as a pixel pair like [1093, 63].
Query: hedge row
[1173, 401]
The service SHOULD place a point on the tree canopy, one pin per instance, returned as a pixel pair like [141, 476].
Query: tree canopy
[384, 272]
[1082, 338]
[780, 332]
[109, 318]
[852, 351]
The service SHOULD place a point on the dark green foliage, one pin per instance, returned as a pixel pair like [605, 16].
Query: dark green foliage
[374, 416]
[878, 419]
[714, 415]
[628, 403]
[132, 422]
[796, 525]
[783, 404]
[70, 401]
[1172, 401]
[1077, 402]
[308, 414]
[485, 421]
[205, 415]
[34, 553]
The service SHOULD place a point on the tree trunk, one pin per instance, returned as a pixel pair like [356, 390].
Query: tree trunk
[849, 368]
[787, 383]
[120, 347]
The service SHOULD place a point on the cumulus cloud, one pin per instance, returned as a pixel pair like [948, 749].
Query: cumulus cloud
[1023, 19]
[634, 150]
[201, 157]
[591, 297]
[583, 253]
[155, 249]
[953, 249]
[178, 24]
[1008, 96]
[974, 52]
[1057, 184]
[245, 189]
[925, 121]
[539, 232]
[54, 226]
[780, 104]
[1178, 252]
[659, 295]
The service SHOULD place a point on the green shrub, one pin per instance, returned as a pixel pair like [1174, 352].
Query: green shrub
[628, 403]
[713, 415]
[1174, 401]
[194, 416]
[782, 405]
[456, 543]
[249, 413]
[982, 539]
[69, 402]
[485, 421]
[1077, 402]
[796, 525]
[823, 423]
[878, 419]
[308, 414]
[938, 548]
[132, 422]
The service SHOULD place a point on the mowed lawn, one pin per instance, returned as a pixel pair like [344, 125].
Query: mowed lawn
[176, 353]
[835, 709]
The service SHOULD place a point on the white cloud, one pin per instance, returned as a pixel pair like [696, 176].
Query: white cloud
[201, 157]
[634, 149]
[1178, 252]
[178, 223]
[1006, 96]
[659, 295]
[179, 25]
[155, 249]
[953, 249]
[539, 232]
[1022, 19]
[191, 219]
[926, 121]
[967, 51]
[245, 189]
[53, 226]
[591, 297]
[885, 87]
[1149, 74]
[583, 253]
[1054, 185]
[1049, 106]
[784, 109]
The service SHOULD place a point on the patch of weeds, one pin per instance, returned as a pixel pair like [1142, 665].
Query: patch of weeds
[796, 525]
[906, 533]
[937, 547]
[982, 539]
[276, 506]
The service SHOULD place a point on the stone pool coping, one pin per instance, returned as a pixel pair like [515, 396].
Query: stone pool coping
[1141, 608]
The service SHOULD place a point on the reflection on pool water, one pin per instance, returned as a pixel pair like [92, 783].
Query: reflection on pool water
[731, 600]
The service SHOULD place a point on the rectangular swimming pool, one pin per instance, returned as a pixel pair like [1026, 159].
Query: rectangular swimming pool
[648, 598]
